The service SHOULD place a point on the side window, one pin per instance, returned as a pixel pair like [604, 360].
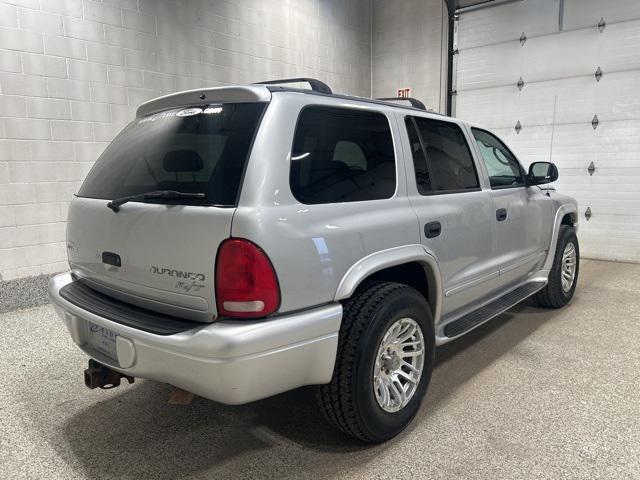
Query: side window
[503, 168]
[449, 163]
[423, 179]
[342, 155]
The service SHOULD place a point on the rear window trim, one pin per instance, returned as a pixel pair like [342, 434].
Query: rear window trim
[188, 202]
[357, 108]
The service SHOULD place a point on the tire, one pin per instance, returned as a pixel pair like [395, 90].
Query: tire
[555, 295]
[349, 401]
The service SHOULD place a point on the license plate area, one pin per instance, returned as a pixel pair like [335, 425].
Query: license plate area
[102, 340]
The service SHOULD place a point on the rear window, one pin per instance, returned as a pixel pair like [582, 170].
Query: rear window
[193, 150]
[342, 155]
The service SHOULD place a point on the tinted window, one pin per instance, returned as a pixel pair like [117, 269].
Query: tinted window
[195, 150]
[351, 154]
[449, 164]
[423, 179]
[342, 155]
[503, 168]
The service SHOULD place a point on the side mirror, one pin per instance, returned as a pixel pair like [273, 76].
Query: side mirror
[541, 173]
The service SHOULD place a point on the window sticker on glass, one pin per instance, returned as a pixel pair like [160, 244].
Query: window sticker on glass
[188, 112]
[158, 116]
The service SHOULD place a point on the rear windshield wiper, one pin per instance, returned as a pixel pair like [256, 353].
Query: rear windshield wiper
[162, 194]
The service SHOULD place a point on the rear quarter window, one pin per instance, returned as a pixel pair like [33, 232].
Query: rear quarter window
[342, 155]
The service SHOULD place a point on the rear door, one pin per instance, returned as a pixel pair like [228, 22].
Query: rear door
[160, 254]
[455, 214]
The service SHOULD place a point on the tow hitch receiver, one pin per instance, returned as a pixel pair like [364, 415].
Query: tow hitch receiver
[101, 376]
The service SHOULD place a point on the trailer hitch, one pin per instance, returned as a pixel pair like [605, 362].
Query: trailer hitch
[101, 376]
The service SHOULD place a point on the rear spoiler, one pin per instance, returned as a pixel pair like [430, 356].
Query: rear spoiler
[252, 93]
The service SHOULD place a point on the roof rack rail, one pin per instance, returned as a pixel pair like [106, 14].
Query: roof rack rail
[415, 103]
[316, 85]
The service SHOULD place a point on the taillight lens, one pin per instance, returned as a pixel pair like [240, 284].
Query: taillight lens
[246, 283]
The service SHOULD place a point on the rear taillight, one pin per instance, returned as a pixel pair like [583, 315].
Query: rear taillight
[246, 284]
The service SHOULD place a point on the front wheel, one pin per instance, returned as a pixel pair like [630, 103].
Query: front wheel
[383, 364]
[564, 271]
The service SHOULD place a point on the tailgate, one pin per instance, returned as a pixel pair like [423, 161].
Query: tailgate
[166, 253]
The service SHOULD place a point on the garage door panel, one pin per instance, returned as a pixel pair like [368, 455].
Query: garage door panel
[606, 249]
[605, 234]
[609, 213]
[502, 107]
[628, 201]
[581, 162]
[611, 141]
[495, 25]
[582, 181]
[580, 52]
[489, 66]
[587, 13]
[619, 173]
[479, 106]
[615, 97]
[583, 189]
[562, 55]
[615, 227]
[609, 233]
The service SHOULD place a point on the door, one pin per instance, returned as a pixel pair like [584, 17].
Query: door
[523, 215]
[454, 213]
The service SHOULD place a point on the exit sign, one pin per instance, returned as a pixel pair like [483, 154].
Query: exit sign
[404, 92]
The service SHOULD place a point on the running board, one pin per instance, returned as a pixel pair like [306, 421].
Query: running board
[493, 309]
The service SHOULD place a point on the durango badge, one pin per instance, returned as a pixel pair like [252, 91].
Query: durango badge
[172, 272]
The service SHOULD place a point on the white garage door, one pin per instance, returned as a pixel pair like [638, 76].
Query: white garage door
[560, 100]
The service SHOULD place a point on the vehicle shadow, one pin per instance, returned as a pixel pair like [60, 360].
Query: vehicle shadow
[137, 435]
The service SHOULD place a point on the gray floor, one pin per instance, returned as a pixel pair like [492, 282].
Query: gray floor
[532, 394]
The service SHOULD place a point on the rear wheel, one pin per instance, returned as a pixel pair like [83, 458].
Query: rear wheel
[564, 271]
[383, 364]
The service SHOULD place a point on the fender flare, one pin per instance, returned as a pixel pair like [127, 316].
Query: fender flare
[391, 257]
[560, 213]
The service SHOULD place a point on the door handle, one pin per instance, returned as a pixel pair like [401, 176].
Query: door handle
[501, 214]
[432, 229]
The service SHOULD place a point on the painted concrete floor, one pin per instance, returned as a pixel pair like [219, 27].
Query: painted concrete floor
[532, 394]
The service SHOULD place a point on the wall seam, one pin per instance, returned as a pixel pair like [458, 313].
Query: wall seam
[371, 48]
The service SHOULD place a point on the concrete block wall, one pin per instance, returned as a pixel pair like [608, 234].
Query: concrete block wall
[409, 49]
[73, 71]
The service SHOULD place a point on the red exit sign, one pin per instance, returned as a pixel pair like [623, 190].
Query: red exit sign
[404, 92]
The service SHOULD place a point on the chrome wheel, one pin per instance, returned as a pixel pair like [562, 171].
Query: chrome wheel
[569, 263]
[398, 365]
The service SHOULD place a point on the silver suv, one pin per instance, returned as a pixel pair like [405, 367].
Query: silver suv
[239, 242]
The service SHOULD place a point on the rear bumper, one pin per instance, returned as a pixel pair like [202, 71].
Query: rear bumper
[231, 362]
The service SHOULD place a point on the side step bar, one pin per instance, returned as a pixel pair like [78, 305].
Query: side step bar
[490, 310]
